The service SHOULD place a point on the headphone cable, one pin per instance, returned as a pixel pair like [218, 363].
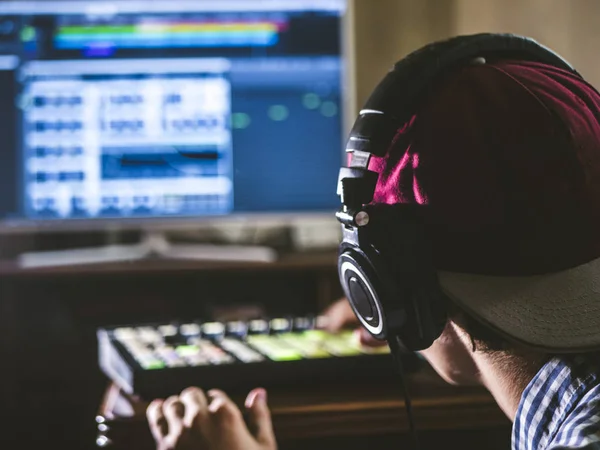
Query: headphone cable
[396, 350]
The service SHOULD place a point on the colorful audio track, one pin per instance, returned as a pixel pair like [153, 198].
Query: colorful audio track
[190, 33]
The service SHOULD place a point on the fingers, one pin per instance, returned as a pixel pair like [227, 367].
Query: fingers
[196, 407]
[174, 411]
[260, 417]
[225, 413]
[365, 338]
[196, 420]
[156, 419]
[339, 315]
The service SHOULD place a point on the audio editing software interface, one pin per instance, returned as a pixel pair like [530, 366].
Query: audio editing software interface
[173, 108]
[105, 141]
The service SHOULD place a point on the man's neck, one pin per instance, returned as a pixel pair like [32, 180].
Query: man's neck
[506, 376]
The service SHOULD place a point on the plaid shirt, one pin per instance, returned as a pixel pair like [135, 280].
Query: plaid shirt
[560, 408]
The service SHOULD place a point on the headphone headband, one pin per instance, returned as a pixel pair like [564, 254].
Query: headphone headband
[397, 93]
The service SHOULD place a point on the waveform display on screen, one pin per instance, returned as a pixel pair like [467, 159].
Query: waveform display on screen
[170, 34]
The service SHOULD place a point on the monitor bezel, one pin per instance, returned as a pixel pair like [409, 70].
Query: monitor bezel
[182, 223]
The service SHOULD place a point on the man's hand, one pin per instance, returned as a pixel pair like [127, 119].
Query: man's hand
[340, 315]
[198, 421]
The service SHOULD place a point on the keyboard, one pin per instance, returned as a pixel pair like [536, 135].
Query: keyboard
[159, 360]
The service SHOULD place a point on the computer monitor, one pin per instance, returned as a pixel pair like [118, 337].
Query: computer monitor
[151, 110]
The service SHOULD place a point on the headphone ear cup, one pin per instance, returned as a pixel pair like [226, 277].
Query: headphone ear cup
[387, 273]
[385, 307]
[364, 290]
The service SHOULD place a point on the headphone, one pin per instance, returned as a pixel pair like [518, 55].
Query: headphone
[385, 263]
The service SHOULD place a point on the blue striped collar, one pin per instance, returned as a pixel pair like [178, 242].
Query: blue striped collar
[559, 408]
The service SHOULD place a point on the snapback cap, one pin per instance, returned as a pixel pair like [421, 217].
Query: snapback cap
[505, 157]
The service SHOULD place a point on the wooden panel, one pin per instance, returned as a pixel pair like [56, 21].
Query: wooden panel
[569, 28]
[543, 20]
[584, 21]
[387, 30]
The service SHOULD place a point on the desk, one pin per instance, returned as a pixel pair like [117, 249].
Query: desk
[346, 417]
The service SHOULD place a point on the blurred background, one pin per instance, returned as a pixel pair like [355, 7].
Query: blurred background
[170, 162]
[386, 30]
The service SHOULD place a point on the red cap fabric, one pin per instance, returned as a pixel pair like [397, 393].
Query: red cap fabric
[506, 158]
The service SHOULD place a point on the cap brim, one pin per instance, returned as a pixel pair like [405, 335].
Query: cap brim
[558, 312]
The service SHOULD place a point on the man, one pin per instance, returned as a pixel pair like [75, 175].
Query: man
[506, 155]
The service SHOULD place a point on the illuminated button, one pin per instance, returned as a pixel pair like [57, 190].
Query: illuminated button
[309, 348]
[141, 330]
[382, 350]
[340, 349]
[171, 358]
[135, 345]
[148, 334]
[280, 325]
[187, 350]
[302, 323]
[238, 328]
[164, 349]
[211, 352]
[354, 339]
[316, 335]
[125, 333]
[241, 351]
[213, 329]
[259, 327]
[322, 322]
[342, 345]
[190, 329]
[274, 349]
[197, 342]
[140, 353]
[151, 364]
[167, 330]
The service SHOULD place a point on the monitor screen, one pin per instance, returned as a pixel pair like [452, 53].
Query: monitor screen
[168, 109]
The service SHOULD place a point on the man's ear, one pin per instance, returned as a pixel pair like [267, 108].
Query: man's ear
[457, 322]
[455, 333]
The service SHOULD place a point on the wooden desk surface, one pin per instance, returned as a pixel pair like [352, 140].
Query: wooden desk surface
[333, 411]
